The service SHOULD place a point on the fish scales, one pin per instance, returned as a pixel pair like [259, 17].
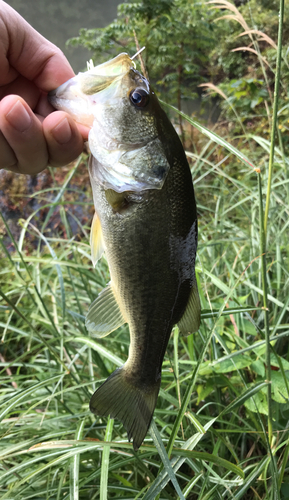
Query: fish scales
[143, 261]
[147, 225]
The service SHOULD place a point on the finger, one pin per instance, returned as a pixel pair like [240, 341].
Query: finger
[29, 53]
[24, 88]
[8, 160]
[22, 136]
[64, 140]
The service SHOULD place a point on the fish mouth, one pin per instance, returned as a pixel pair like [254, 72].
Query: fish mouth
[69, 98]
[74, 96]
[94, 80]
[67, 91]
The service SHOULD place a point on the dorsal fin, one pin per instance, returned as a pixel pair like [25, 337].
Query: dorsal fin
[96, 240]
[190, 321]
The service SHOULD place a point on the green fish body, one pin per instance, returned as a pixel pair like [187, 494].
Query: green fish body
[146, 223]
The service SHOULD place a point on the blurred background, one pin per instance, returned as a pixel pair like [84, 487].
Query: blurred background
[59, 20]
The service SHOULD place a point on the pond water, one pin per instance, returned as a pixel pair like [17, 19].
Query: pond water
[59, 20]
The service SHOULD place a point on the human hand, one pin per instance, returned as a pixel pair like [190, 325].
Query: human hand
[32, 134]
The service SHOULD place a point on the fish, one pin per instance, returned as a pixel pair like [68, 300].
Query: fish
[146, 223]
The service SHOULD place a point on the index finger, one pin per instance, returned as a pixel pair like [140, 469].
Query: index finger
[29, 53]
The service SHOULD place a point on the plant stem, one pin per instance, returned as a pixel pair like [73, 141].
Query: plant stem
[275, 109]
[265, 305]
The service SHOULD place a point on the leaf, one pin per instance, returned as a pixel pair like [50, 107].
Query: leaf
[258, 367]
[260, 404]
[279, 390]
[240, 361]
[274, 361]
[248, 328]
[204, 391]
[246, 396]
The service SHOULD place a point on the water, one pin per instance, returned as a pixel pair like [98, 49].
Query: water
[59, 20]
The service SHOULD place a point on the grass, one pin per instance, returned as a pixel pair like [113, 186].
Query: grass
[220, 428]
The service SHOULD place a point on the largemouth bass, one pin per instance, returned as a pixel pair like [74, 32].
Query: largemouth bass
[146, 223]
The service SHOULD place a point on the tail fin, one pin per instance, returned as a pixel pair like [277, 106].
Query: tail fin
[120, 399]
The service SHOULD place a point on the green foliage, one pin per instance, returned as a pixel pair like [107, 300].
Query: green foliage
[213, 401]
[245, 65]
[245, 94]
[178, 36]
[255, 14]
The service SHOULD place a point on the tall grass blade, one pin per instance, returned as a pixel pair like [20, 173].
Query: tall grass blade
[52, 350]
[74, 465]
[212, 439]
[61, 192]
[101, 350]
[250, 479]
[103, 495]
[249, 393]
[191, 484]
[275, 112]
[212, 136]
[265, 304]
[284, 464]
[165, 459]
[20, 396]
[163, 478]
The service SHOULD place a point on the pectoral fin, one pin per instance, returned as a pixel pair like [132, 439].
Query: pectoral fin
[104, 315]
[191, 318]
[96, 240]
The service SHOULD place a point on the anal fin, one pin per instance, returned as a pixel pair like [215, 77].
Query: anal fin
[190, 321]
[104, 315]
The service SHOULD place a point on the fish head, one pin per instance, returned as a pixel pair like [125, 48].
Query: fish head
[119, 105]
[77, 96]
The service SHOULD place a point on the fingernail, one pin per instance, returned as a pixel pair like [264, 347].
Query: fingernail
[62, 132]
[19, 117]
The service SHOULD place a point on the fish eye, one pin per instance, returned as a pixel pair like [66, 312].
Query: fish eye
[139, 97]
